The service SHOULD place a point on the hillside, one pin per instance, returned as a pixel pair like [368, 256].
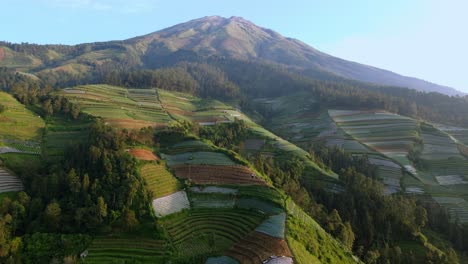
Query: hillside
[234, 38]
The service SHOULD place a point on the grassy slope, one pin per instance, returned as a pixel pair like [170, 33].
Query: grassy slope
[21, 128]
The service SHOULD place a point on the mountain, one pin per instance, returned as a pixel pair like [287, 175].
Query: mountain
[238, 38]
[234, 38]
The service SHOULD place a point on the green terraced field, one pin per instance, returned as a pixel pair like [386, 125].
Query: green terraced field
[20, 128]
[132, 108]
[189, 146]
[159, 181]
[113, 250]
[209, 231]
[203, 111]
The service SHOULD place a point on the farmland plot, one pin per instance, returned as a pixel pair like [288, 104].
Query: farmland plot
[221, 260]
[8, 182]
[159, 181]
[450, 180]
[438, 145]
[170, 204]
[128, 108]
[209, 231]
[143, 154]
[257, 247]
[212, 200]
[208, 174]
[199, 158]
[62, 133]
[457, 207]
[110, 250]
[273, 226]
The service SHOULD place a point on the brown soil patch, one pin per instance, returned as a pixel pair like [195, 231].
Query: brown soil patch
[134, 124]
[177, 111]
[210, 174]
[2, 54]
[257, 247]
[143, 154]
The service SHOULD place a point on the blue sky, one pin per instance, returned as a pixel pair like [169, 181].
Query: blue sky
[427, 39]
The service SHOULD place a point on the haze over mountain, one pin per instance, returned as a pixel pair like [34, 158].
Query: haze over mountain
[233, 37]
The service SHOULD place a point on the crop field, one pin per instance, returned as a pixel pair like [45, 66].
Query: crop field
[202, 111]
[382, 131]
[214, 189]
[159, 181]
[212, 200]
[209, 230]
[198, 158]
[20, 128]
[116, 250]
[171, 203]
[273, 226]
[437, 145]
[9, 182]
[143, 154]
[129, 108]
[189, 146]
[221, 260]
[62, 133]
[260, 205]
[458, 133]
[208, 174]
[457, 207]
[257, 247]
[451, 180]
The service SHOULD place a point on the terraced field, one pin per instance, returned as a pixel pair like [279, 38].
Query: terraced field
[201, 111]
[457, 207]
[9, 182]
[257, 247]
[437, 145]
[112, 250]
[159, 181]
[20, 130]
[143, 154]
[171, 204]
[209, 174]
[189, 146]
[128, 108]
[199, 158]
[209, 231]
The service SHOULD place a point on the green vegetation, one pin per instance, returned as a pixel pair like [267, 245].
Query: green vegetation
[110, 249]
[21, 128]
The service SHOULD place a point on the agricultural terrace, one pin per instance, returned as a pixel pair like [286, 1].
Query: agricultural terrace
[209, 231]
[437, 144]
[310, 243]
[210, 174]
[457, 207]
[62, 133]
[20, 129]
[189, 146]
[159, 180]
[260, 198]
[199, 158]
[298, 119]
[121, 107]
[273, 226]
[171, 203]
[382, 131]
[203, 111]
[9, 182]
[143, 154]
[115, 250]
[460, 134]
[221, 260]
[257, 247]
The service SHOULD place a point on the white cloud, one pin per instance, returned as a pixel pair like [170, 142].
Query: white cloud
[121, 6]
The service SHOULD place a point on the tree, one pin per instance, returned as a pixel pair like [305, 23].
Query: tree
[102, 207]
[53, 214]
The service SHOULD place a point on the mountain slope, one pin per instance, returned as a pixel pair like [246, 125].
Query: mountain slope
[238, 38]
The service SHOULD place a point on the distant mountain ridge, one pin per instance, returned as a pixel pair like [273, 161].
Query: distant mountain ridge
[233, 37]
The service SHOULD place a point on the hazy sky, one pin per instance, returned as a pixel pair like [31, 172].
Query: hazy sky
[427, 39]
